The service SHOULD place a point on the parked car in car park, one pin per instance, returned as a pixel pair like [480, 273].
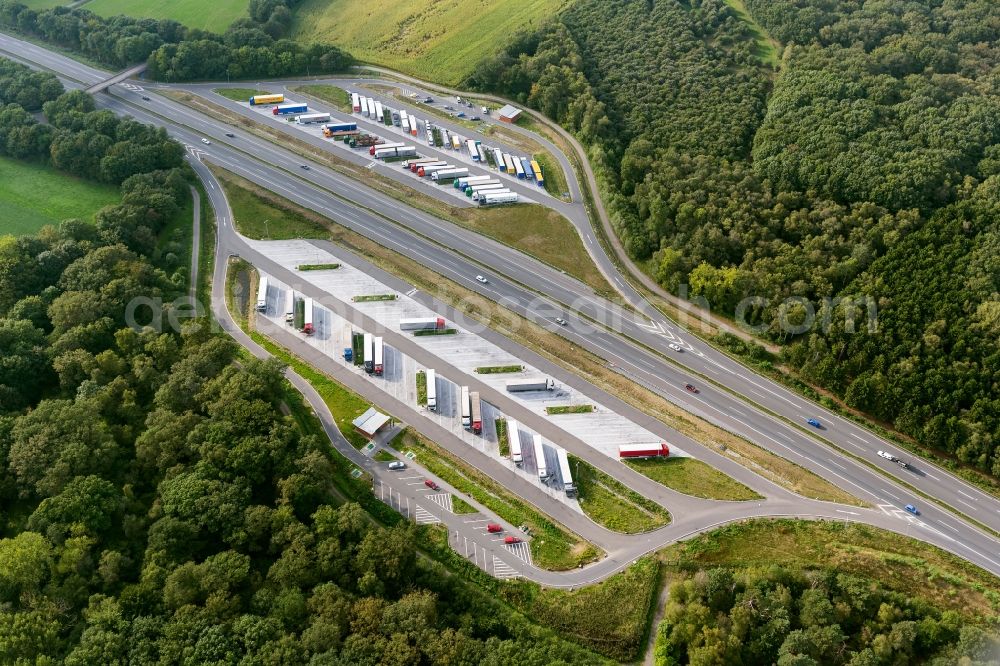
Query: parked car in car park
[432, 485]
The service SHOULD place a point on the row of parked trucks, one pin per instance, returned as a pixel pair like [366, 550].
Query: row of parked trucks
[293, 306]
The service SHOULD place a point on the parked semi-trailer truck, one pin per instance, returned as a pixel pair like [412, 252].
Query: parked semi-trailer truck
[379, 112]
[543, 472]
[564, 473]
[448, 174]
[498, 158]
[307, 317]
[456, 142]
[473, 153]
[378, 359]
[413, 164]
[291, 107]
[478, 193]
[526, 167]
[258, 100]
[414, 123]
[514, 442]
[262, 294]
[371, 108]
[341, 127]
[538, 172]
[307, 118]
[518, 169]
[518, 385]
[290, 306]
[431, 170]
[468, 181]
[369, 353]
[427, 165]
[481, 151]
[421, 323]
[356, 102]
[497, 198]
[431, 378]
[660, 450]
[364, 107]
[466, 408]
[476, 413]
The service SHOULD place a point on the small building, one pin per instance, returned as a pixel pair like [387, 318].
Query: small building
[371, 422]
[509, 114]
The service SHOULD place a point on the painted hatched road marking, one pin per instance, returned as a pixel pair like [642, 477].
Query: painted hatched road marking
[521, 551]
[425, 517]
[443, 500]
[503, 570]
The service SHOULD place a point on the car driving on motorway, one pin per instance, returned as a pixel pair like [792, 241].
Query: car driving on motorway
[912, 509]
[814, 423]
[674, 346]
[480, 278]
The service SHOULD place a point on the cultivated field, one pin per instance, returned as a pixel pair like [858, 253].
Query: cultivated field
[441, 40]
[214, 16]
[32, 195]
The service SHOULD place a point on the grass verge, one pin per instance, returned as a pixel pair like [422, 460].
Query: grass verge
[461, 507]
[693, 477]
[422, 388]
[333, 95]
[372, 298]
[569, 409]
[552, 547]
[503, 440]
[561, 351]
[383, 456]
[239, 94]
[498, 369]
[317, 267]
[553, 178]
[435, 331]
[610, 503]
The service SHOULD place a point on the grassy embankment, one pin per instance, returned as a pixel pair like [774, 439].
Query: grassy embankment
[33, 195]
[693, 477]
[304, 223]
[440, 41]
[610, 503]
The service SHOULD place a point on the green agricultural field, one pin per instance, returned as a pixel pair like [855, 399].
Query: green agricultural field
[33, 195]
[214, 16]
[441, 40]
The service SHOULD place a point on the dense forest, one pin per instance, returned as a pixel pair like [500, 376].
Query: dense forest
[867, 165]
[806, 618]
[157, 505]
[252, 47]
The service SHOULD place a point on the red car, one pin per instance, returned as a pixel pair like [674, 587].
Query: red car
[493, 528]
[692, 388]
[430, 484]
[511, 539]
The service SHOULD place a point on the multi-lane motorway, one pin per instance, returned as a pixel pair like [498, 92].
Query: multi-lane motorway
[634, 344]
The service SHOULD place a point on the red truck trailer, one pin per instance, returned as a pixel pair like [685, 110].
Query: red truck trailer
[660, 450]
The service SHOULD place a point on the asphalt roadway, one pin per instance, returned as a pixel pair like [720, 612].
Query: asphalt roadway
[459, 255]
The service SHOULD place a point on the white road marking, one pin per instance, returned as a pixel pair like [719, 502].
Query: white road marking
[859, 437]
[964, 494]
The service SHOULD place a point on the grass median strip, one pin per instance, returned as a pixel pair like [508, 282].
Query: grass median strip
[552, 547]
[503, 439]
[461, 507]
[421, 388]
[239, 94]
[569, 409]
[611, 504]
[693, 477]
[334, 95]
[498, 369]
[372, 298]
[317, 267]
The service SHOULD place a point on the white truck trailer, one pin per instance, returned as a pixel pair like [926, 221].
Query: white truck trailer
[497, 198]
[262, 294]
[564, 472]
[514, 440]
[448, 174]
[466, 408]
[378, 358]
[543, 472]
[519, 385]
[308, 118]
[290, 306]
[431, 377]
[369, 353]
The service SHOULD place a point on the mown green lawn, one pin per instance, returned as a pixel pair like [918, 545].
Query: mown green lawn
[213, 16]
[33, 195]
[441, 40]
